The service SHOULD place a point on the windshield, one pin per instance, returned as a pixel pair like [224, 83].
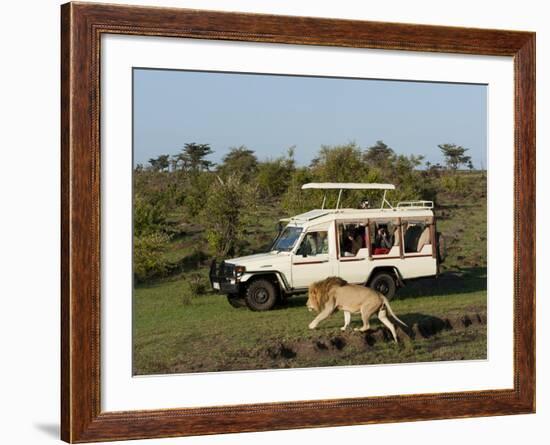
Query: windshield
[286, 240]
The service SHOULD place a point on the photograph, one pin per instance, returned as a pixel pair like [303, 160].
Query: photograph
[296, 221]
[272, 220]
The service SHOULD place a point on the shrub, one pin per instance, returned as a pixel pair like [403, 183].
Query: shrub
[187, 294]
[294, 200]
[273, 177]
[342, 163]
[148, 218]
[148, 256]
[455, 183]
[196, 283]
[230, 207]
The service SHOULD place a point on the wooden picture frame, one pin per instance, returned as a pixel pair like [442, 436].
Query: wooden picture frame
[82, 26]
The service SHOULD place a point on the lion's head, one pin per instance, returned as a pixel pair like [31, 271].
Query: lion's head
[318, 293]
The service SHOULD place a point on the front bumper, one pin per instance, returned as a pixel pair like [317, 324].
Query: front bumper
[222, 278]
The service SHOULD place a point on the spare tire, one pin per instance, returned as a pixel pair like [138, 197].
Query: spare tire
[441, 247]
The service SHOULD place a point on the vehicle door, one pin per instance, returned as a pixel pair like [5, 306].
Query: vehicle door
[311, 259]
[352, 250]
[419, 249]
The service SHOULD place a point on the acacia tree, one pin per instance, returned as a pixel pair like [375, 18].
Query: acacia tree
[239, 160]
[160, 163]
[192, 157]
[454, 155]
[379, 155]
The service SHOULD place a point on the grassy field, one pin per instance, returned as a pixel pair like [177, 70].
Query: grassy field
[209, 335]
[446, 316]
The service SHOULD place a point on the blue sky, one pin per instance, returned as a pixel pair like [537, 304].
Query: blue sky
[270, 113]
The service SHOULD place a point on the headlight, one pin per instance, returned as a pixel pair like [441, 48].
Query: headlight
[239, 270]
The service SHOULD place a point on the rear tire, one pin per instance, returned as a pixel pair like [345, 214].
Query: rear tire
[261, 295]
[384, 283]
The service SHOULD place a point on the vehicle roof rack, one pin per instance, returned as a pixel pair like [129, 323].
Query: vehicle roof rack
[414, 205]
[349, 186]
[312, 214]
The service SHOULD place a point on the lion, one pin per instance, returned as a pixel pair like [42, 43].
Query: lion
[334, 293]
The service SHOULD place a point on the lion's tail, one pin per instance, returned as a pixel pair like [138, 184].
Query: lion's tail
[390, 310]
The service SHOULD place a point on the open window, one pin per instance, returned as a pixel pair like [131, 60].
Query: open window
[417, 236]
[314, 243]
[351, 238]
[384, 236]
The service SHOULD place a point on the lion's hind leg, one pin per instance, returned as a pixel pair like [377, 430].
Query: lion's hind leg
[383, 317]
[366, 313]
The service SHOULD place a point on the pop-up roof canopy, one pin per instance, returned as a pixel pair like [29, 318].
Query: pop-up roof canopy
[347, 186]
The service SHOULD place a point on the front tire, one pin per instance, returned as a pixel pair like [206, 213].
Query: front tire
[261, 295]
[384, 283]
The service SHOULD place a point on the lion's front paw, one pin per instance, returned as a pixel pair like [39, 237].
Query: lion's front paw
[343, 328]
[312, 326]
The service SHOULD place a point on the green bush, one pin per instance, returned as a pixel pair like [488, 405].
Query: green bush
[273, 177]
[194, 191]
[191, 287]
[197, 283]
[229, 209]
[148, 256]
[295, 200]
[455, 183]
[187, 295]
[148, 218]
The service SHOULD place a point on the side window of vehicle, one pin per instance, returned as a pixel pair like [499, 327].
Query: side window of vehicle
[351, 238]
[314, 243]
[416, 235]
[384, 235]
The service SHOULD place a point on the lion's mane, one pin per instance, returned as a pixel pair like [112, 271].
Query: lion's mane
[319, 292]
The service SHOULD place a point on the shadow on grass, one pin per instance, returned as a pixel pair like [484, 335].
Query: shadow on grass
[294, 301]
[463, 281]
[424, 325]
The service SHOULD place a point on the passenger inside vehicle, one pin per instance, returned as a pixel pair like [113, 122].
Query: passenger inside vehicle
[322, 242]
[382, 234]
[382, 241]
[352, 239]
[314, 243]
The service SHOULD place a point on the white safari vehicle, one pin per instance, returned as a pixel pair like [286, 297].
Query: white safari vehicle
[378, 247]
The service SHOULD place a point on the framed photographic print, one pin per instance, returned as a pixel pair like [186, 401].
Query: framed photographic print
[274, 222]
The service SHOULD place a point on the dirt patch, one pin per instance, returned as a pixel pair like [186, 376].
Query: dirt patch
[281, 351]
[423, 327]
[338, 343]
[329, 347]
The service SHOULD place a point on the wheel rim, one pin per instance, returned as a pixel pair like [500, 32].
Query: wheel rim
[261, 296]
[382, 286]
